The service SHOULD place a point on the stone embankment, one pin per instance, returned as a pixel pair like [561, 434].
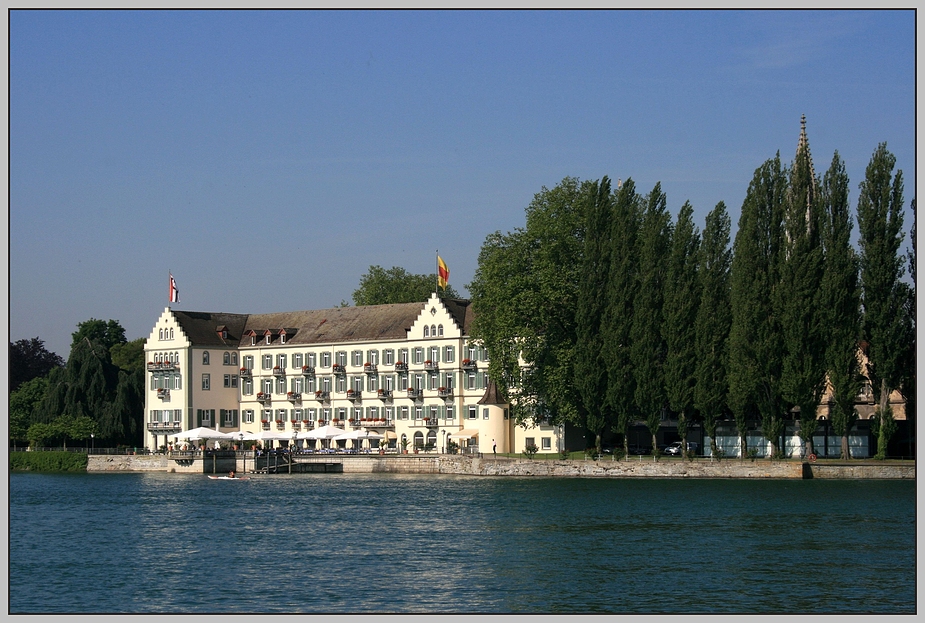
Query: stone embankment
[490, 466]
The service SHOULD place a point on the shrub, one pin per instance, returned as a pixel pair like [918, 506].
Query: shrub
[753, 454]
[48, 461]
[530, 451]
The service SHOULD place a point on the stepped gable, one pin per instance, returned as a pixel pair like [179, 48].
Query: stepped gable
[338, 324]
[461, 311]
[204, 328]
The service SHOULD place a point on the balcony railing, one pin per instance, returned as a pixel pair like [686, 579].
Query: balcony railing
[277, 371]
[370, 368]
[414, 394]
[308, 370]
[263, 397]
[445, 392]
[340, 368]
[401, 366]
[280, 424]
[264, 425]
[384, 394]
[293, 396]
[245, 373]
[431, 365]
[470, 364]
[322, 395]
[163, 427]
[354, 394]
[162, 366]
[163, 394]
[307, 425]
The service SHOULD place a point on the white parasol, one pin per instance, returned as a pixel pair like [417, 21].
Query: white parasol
[202, 433]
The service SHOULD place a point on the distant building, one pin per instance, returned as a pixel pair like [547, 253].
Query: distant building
[405, 371]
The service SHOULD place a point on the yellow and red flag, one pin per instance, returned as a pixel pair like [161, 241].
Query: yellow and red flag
[443, 273]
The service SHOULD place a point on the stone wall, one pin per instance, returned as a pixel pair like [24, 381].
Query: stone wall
[485, 466]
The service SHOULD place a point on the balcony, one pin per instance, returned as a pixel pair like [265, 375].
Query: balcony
[384, 394]
[322, 395]
[162, 366]
[307, 425]
[163, 427]
[470, 364]
[401, 366]
[429, 421]
[370, 368]
[277, 371]
[245, 373]
[354, 394]
[163, 394]
[264, 425]
[445, 392]
[415, 394]
[263, 397]
[431, 366]
[280, 424]
[322, 423]
[296, 425]
[340, 368]
[294, 396]
[356, 423]
[308, 370]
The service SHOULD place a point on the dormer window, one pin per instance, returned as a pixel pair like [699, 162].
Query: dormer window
[269, 338]
[282, 338]
[224, 334]
[253, 340]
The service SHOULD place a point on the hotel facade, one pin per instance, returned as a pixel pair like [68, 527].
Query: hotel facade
[408, 372]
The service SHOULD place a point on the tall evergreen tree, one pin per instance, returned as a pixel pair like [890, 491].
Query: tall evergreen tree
[755, 349]
[713, 321]
[801, 316]
[840, 303]
[880, 221]
[682, 297]
[647, 349]
[618, 315]
[590, 362]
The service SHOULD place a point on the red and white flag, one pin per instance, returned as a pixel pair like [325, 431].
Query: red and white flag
[174, 292]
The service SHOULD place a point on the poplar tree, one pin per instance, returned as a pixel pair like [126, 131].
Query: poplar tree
[590, 361]
[883, 294]
[755, 350]
[620, 301]
[840, 303]
[682, 296]
[798, 296]
[647, 349]
[713, 321]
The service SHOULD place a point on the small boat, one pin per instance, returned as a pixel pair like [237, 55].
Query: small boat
[227, 478]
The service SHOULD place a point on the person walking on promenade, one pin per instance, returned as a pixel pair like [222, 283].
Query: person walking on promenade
[494, 446]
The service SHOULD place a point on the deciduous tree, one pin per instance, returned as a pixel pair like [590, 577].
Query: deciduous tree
[396, 285]
[883, 294]
[713, 322]
[30, 359]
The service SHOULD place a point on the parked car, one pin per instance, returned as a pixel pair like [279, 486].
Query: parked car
[675, 447]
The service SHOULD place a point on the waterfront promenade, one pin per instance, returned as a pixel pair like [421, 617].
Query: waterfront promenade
[245, 462]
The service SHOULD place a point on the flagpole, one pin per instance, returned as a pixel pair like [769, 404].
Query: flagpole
[437, 263]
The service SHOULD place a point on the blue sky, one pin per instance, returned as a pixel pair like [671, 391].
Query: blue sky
[267, 159]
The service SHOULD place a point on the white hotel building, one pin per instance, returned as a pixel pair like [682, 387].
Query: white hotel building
[406, 371]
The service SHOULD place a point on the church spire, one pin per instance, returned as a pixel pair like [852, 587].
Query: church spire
[803, 145]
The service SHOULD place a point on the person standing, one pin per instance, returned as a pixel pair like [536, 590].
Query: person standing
[494, 447]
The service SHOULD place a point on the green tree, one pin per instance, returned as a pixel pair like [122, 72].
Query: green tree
[30, 359]
[23, 403]
[755, 349]
[713, 321]
[129, 356]
[840, 302]
[108, 333]
[803, 331]
[590, 363]
[396, 285]
[524, 295]
[41, 433]
[620, 300]
[682, 296]
[647, 349]
[883, 294]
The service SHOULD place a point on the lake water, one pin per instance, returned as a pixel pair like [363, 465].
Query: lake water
[384, 543]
